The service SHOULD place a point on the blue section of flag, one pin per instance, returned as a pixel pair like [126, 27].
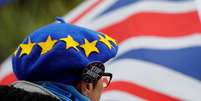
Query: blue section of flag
[186, 60]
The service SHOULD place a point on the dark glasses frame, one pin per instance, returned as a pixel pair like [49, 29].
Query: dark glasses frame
[109, 75]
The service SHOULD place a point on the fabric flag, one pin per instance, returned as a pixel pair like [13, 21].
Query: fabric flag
[159, 48]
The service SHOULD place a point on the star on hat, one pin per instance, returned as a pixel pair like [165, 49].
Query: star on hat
[105, 41]
[47, 45]
[26, 48]
[70, 43]
[110, 39]
[89, 47]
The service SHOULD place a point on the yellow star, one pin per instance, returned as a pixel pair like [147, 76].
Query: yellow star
[105, 41]
[47, 45]
[89, 47]
[110, 39]
[70, 43]
[26, 48]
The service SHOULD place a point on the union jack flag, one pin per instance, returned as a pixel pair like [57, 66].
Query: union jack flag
[160, 48]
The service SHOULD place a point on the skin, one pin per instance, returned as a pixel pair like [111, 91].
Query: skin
[93, 93]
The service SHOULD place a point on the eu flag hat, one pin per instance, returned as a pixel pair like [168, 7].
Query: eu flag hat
[59, 52]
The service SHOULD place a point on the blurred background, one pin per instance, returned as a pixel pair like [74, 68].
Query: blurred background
[159, 42]
[20, 17]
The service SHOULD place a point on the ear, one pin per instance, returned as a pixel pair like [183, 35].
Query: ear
[86, 88]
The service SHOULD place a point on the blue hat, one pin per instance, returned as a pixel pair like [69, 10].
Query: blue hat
[59, 52]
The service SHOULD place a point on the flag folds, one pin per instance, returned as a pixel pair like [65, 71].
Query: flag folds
[160, 47]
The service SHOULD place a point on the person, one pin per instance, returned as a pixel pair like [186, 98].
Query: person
[64, 61]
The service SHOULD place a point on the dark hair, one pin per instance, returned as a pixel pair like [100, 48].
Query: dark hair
[8, 93]
[93, 72]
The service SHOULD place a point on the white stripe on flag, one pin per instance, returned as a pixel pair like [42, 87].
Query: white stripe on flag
[119, 96]
[124, 12]
[156, 77]
[154, 42]
[5, 68]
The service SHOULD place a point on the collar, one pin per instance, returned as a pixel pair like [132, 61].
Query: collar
[32, 87]
[64, 92]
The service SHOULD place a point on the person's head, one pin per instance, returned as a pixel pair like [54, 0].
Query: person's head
[94, 79]
[61, 52]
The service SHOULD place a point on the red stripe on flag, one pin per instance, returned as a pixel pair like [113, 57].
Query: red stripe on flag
[8, 79]
[139, 91]
[73, 21]
[155, 24]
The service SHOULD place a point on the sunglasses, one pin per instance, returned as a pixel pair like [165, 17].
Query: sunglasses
[106, 79]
